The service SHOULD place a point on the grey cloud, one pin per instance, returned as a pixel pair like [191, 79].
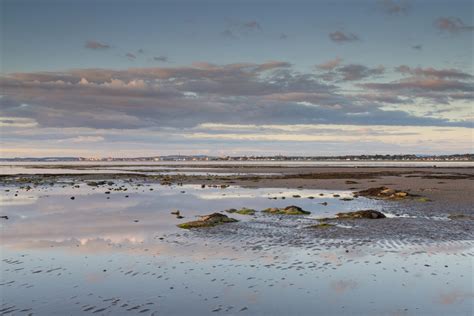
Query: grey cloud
[130, 56]
[422, 84]
[342, 37]
[353, 72]
[432, 72]
[240, 93]
[239, 29]
[417, 47]
[394, 7]
[349, 72]
[252, 25]
[452, 25]
[96, 45]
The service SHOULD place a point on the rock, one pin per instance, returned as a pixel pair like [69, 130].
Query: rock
[242, 211]
[383, 193]
[203, 186]
[324, 203]
[351, 182]
[460, 217]
[179, 216]
[289, 210]
[346, 199]
[211, 220]
[322, 225]
[296, 196]
[177, 213]
[72, 198]
[4, 217]
[368, 214]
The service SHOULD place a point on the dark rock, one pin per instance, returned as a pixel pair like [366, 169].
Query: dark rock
[242, 211]
[384, 193]
[460, 217]
[368, 214]
[211, 220]
[289, 210]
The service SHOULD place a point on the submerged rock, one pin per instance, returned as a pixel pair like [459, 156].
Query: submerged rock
[211, 220]
[322, 225]
[289, 210]
[369, 214]
[242, 211]
[460, 217]
[383, 193]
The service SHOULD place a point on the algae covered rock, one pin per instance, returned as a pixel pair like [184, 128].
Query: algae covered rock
[289, 210]
[210, 220]
[242, 211]
[460, 217]
[368, 214]
[383, 193]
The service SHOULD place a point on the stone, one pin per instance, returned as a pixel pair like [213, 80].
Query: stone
[289, 210]
[367, 214]
[210, 220]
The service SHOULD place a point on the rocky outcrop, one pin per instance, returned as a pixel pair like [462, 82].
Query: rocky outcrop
[210, 220]
[383, 193]
[368, 214]
[242, 211]
[289, 210]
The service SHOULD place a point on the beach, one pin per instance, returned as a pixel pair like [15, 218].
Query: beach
[94, 239]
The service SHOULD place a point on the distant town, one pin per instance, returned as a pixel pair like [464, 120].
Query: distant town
[457, 157]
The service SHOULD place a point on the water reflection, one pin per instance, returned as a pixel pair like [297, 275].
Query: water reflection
[122, 253]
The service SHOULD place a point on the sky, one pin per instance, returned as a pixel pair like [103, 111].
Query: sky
[144, 78]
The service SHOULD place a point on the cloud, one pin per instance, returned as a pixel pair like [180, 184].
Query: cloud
[283, 36]
[426, 84]
[96, 45]
[394, 7]
[353, 72]
[86, 139]
[343, 37]
[434, 73]
[452, 25]
[330, 64]
[241, 93]
[160, 58]
[417, 47]
[350, 72]
[240, 29]
[252, 25]
[440, 86]
[130, 56]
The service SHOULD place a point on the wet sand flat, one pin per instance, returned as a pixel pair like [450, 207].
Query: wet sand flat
[108, 243]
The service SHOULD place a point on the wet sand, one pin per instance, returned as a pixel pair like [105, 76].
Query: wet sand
[73, 247]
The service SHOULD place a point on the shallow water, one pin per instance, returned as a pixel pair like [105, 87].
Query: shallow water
[204, 167]
[111, 254]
